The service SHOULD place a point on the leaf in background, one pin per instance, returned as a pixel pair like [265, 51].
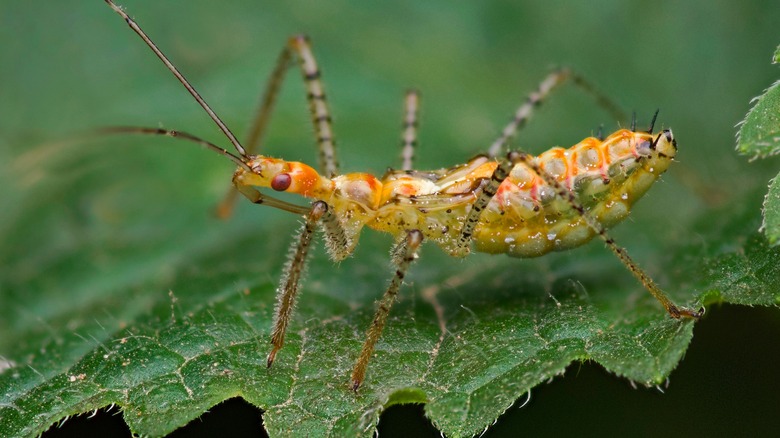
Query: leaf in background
[759, 136]
[759, 133]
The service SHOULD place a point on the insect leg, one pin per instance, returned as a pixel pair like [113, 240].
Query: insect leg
[487, 193]
[601, 99]
[288, 287]
[259, 124]
[564, 193]
[408, 246]
[409, 138]
[320, 114]
[536, 98]
[525, 110]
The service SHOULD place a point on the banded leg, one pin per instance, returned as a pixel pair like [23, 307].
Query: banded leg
[320, 114]
[409, 137]
[487, 193]
[564, 193]
[525, 110]
[288, 288]
[536, 98]
[408, 248]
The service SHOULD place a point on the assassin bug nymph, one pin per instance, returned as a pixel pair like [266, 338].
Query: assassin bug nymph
[520, 205]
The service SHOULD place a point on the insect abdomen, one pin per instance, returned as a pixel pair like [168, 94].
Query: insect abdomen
[527, 219]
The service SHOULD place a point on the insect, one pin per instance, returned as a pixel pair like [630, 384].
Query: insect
[520, 205]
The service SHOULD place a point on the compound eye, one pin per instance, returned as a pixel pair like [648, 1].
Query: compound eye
[281, 182]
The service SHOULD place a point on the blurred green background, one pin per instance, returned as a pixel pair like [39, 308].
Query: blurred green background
[68, 66]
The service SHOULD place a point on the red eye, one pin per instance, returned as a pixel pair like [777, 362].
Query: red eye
[281, 182]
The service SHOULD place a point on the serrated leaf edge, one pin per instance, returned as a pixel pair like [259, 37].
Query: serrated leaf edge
[773, 240]
[754, 102]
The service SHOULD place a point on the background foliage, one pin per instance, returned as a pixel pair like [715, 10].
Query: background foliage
[759, 136]
[111, 240]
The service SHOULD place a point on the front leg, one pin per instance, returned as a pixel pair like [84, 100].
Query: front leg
[288, 287]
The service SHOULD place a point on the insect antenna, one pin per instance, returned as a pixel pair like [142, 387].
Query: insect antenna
[221, 125]
[175, 134]
[652, 122]
[633, 120]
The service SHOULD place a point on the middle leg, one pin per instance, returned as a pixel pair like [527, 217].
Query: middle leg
[524, 112]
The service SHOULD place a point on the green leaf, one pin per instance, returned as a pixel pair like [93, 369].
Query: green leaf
[186, 332]
[198, 338]
[776, 58]
[759, 134]
[117, 287]
[771, 224]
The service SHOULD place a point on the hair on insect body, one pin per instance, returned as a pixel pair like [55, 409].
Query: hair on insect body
[516, 204]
